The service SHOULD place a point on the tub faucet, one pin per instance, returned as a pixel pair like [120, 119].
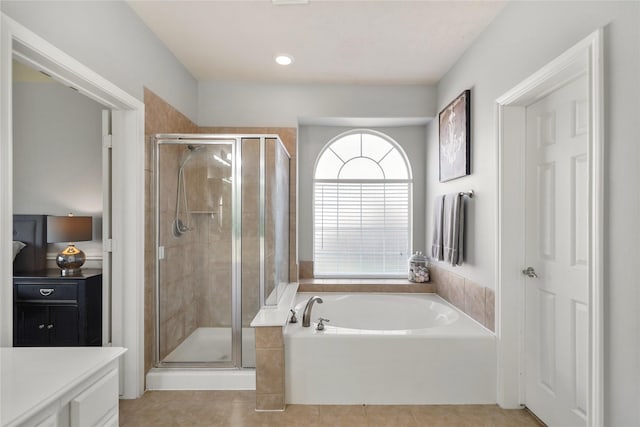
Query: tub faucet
[306, 314]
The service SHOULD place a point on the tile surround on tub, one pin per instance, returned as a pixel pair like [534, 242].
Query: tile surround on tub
[268, 324]
[310, 284]
[354, 285]
[269, 369]
[306, 269]
[490, 304]
[474, 299]
[269, 337]
[456, 290]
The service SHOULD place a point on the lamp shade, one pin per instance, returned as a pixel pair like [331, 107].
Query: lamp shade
[69, 229]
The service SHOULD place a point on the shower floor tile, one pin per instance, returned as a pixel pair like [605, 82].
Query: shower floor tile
[237, 409]
[213, 345]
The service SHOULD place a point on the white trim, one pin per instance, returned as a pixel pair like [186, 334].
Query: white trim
[6, 185]
[596, 87]
[509, 323]
[586, 56]
[128, 199]
[106, 227]
[382, 135]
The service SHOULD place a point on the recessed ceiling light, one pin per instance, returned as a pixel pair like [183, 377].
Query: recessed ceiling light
[284, 59]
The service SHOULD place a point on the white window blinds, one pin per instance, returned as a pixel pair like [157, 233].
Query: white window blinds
[362, 221]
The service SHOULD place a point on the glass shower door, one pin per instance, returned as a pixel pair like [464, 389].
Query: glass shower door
[196, 246]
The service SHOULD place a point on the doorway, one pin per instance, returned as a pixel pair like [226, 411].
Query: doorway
[127, 207]
[59, 165]
[549, 327]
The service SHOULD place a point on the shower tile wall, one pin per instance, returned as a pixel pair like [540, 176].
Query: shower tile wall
[209, 199]
[196, 272]
[160, 117]
[250, 229]
[178, 272]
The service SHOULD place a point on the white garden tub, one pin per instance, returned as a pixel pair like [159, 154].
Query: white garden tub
[388, 349]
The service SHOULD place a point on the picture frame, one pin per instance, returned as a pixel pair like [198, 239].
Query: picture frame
[455, 138]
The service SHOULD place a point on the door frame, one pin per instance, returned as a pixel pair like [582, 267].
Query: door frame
[127, 203]
[585, 57]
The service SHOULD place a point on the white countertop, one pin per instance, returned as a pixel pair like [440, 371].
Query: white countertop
[33, 377]
[277, 316]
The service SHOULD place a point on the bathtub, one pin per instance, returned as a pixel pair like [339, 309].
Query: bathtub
[388, 349]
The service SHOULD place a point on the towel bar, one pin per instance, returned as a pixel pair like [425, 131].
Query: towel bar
[467, 193]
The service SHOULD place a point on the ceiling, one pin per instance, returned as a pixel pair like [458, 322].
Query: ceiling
[355, 42]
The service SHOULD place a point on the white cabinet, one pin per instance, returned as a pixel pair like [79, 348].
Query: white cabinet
[50, 421]
[96, 402]
[59, 387]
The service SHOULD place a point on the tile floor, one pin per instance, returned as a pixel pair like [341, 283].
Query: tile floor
[236, 409]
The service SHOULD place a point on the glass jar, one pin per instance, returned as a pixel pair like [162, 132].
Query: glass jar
[418, 271]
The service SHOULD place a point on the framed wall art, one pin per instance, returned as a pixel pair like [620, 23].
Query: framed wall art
[455, 138]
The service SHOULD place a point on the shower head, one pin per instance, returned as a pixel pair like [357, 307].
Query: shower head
[188, 152]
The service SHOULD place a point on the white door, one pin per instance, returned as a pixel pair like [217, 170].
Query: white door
[557, 248]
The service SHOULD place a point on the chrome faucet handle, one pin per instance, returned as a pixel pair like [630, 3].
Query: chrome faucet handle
[320, 326]
[293, 318]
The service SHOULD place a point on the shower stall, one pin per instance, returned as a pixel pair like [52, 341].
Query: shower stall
[222, 234]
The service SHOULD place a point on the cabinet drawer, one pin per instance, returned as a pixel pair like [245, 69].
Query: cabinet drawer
[95, 402]
[46, 292]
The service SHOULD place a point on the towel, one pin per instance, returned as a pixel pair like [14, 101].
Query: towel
[453, 228]
[436, 246]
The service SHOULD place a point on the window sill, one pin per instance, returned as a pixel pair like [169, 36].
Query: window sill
[365, 285]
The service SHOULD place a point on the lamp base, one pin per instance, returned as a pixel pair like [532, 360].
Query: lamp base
[70, 260]
[70, 272]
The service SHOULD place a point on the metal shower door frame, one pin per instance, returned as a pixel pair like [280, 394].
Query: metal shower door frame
[263, 215]
[236, 245]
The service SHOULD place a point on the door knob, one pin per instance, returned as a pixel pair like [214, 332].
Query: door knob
[530, 272]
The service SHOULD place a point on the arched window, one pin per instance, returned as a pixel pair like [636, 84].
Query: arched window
[362, 207]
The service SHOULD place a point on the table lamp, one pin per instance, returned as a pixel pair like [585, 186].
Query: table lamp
[69, 229]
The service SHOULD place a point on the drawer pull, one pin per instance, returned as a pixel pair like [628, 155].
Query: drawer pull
[41, 326]
[50, 326]
[46, 292]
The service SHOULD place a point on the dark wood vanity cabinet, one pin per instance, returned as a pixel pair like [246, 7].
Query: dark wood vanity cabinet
[52, 310]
